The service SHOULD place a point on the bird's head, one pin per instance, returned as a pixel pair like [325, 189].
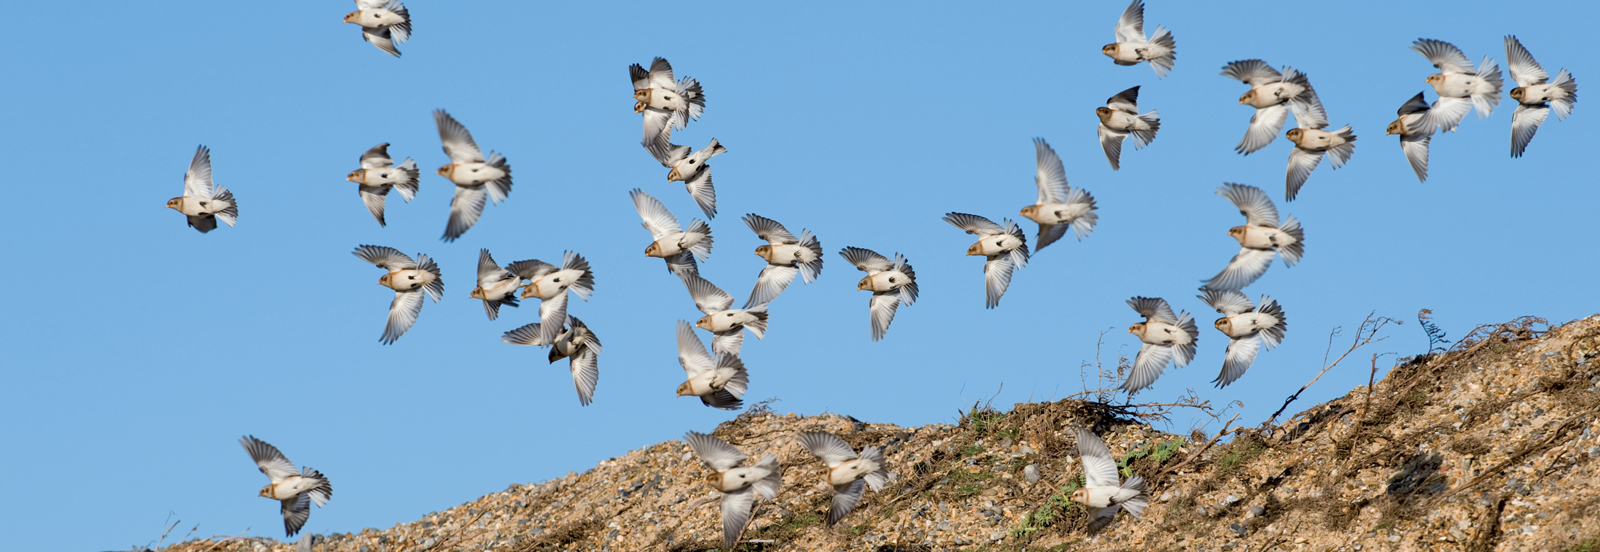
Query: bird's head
[1247, 96]
[1030, 211]
[1104, 113]
[652, 250]
[683, 389]
[384, 280]
[1080, 496]
[1109, 49]
[477, 293]
[1396, 127]
[352, 17]
[866, 284]
[674, 174]
[357, 175]
[266, 492]
[1518, 92]
[1237, 232]
[714, 479]
[1435, 79]
[642, 100]
[764, 252]
[1136, 329]
[704, 323]
[1294, 134]
[975, 249]
[1225, 324]
[445, 170]
[175, 203]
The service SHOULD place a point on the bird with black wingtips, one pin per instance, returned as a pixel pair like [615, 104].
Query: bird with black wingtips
[719, 381]
[786, 256]
[1165, 338]
[378, 174]
[1415, 134]
[1535, 94]
[295, 490]
[383, 23]
[550, 284]
[677, 246]
[1261, 238]
[1004, 249]
[1273, 95]
[891, 283]
[1119, 119]
[1461, 88]
[1102, 493]
[1247, 326]
[1060, 207]
[202, 202]
[497, 286]
[666, 103]
[476, 178]
[848, 473]
[1132, 46]
[738, 483]
[409, 279]
[726, 324]
[691, 169]
[1310, 144]
[575, 342]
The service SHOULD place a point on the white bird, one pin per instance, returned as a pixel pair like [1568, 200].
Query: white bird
[496, 286]
[1247, 326]
[203, 203]
[1460, 87]
[576, 342]
[1101, 492]
[1059, 206]
[1004, 248]
[1132, 47]
[678, 247]
[738, 483]
[1535, 94]
[550, 284]
[409, 279]
[1415, 134]
[665, 103]
[786, 255]
[690, 168]
[1273, 95]
[383, 23]
[891, 283]
[378, 174]
[726, 324]
[1260, 239]
[848, 473]
[719, 382]
[1166, 337]
[295, 490]
[475, 177]
[1120, 118]
[1310, 143]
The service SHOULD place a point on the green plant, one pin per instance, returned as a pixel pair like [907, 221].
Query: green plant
[1048, 513]
[971, 450]
[1591, 544]
[1158, 453]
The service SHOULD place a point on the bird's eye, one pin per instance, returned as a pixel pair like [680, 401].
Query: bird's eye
[891, 279]
[730, 315]
[691, 161]
[558, 280]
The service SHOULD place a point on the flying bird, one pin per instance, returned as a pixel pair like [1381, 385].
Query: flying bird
[1059, 206]
[1120, 118]
[475, 178]
[1414, 133]
[678, 247]
[203, 203]
[496, 286]
[1460, 87]
[1101, 492]
[1166, 338]
[409, 279]
[786, 255]
[576, 342]
[1260, 239]
[1247, 326]
[690, 168]
[383, 23]
[550, 284]
[1273, 95]
[719, 381]
[848, 473]
[726, 324]
[1132, 47]
[891, 283]
[665, 103]
[378, 174]
[294, 489]
[1535, 94]
[1004, 248]
[1310, 143]
[738, 483]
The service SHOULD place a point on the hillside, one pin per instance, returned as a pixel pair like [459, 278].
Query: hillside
[1491, 445]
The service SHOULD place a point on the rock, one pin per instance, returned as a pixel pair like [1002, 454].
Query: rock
[1230, 500]
[305, 543]
[1238, 529]
[1257, 511]
[428, 543]
[943, 526]
[1165, 496]
[1031, 472]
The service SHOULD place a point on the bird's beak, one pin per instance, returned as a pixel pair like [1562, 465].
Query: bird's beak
[866, 284]
[652, 250]
[974, 250]
[477, 293]
[352, 16]
[703, 323]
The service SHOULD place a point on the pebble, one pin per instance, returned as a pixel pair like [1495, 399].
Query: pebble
[1031, 472]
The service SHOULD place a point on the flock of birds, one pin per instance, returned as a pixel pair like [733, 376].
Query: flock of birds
[720, 379]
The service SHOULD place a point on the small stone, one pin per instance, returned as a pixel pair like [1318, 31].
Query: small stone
[1257, 511]
[1230, 499]
[943, 526]
[1165, 496]
[1031, 472]
[1238, 529]
[428, 543]
[1394, 538]
[304, 545]
[1026, 450]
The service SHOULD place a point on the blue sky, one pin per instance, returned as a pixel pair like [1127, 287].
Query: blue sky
[137, 350]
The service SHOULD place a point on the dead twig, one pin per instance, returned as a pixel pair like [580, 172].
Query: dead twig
[1202, 451]
[1366, 334]
[214, 545]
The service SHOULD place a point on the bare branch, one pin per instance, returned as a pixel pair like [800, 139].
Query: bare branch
[1365, 335]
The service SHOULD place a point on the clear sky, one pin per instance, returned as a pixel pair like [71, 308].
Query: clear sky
[136, 351]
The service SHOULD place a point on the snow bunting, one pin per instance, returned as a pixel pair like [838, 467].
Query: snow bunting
[294, 490]
[475, 178]
[678, 247]
[665, 103]
[1005, 249]
[891, 283]
[1247, 327]
[1119, 118]
[786, 255]
[1273, 95]
[203, 203]
[1132, 47]
[1166, 338]
[496, 286]
[577, 342]
[378, 174]
[726, 324]
[1259, 238]
[383, 23]
[409, 279]
[1460, 87]
[550, 283]
[739, 484]
[1101, 492]
[719, 382]
[690, 168]
[1535, 94]
[1415, 134]
[1059, 206]
[848, 474]
[1310, 143]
